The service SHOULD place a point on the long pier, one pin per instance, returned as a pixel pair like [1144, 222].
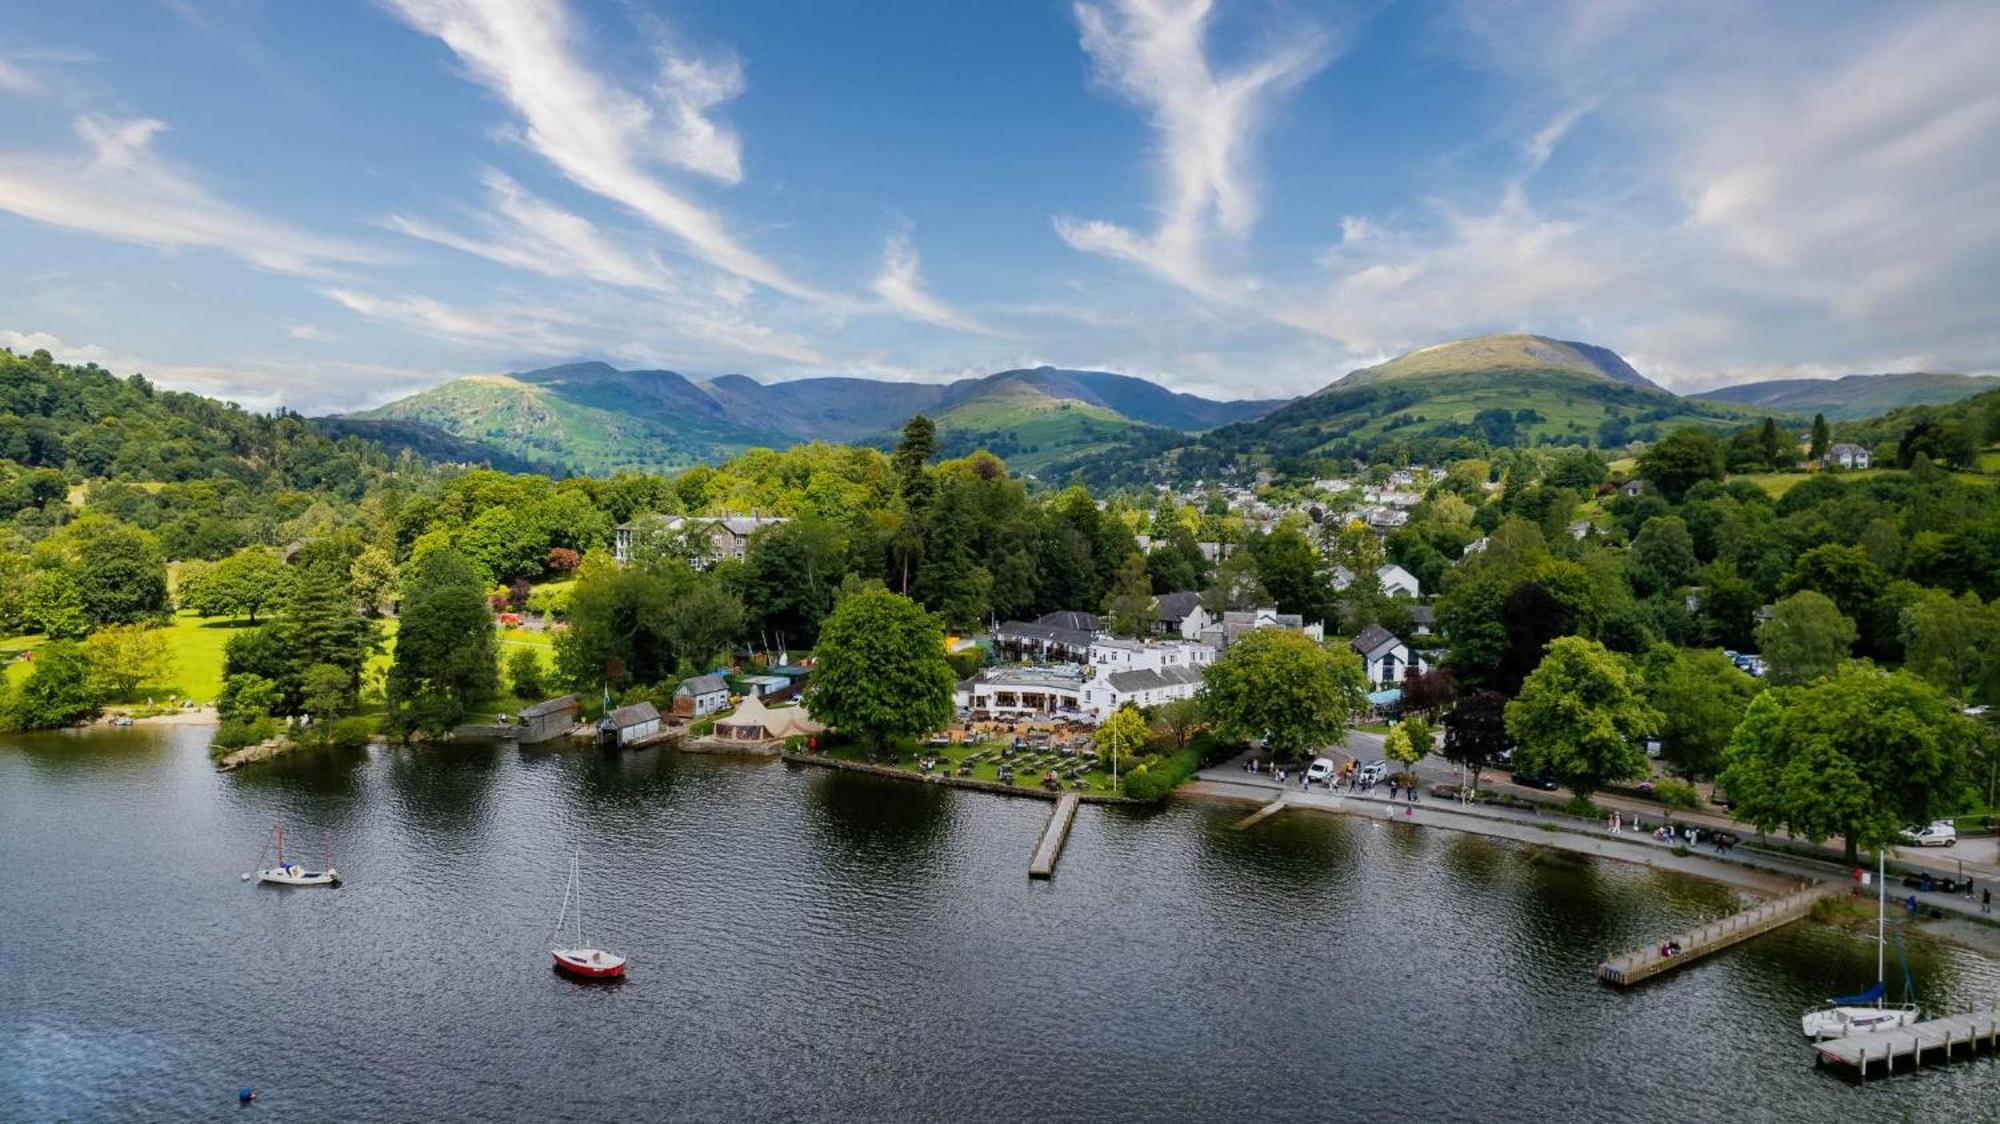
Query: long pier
[1951, 1038]
[1049, 847]
[1645, 963]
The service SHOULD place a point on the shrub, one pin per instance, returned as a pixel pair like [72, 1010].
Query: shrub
[1677, 794]
[352, 733]
[524, 671]
[1159, 776]
[242, 733]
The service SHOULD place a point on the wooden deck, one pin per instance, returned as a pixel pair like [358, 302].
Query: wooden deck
[1941, 1040]
[1049, 847]
[1645, 963]
[1262, 814]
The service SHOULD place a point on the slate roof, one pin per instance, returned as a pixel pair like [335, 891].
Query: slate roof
[550, 706]
[701, 685]
[1070, 619]
[637, 714]
[1024, 630]
[1176, 607]
[1374, 639]
[1126, 682]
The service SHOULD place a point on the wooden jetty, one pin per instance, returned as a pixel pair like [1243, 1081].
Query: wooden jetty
[1262, 814]
[1049, 847]
[1645, 963]
[1940, 1040]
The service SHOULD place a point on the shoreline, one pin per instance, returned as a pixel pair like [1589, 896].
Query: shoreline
[1735, 873]
[797, 758]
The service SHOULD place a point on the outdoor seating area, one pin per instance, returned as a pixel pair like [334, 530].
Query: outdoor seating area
[1054, 757]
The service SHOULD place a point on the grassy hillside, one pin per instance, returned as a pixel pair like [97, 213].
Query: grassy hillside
[1030, 430]
[542, 421]
[1496, 356]
[1852, 397]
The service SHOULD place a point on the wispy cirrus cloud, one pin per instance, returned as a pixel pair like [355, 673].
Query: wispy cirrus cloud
[120, 187]
[525, 329]
[900, 284]
[607, 139]
[522, 231]
[1155, 54]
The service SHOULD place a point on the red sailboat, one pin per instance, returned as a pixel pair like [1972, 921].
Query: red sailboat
[579, 959]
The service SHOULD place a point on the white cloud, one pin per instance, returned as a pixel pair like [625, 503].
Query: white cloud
[522, 330]
[123, 189]
[14, 80]
[606, 139]
[901, 285]
[1154, 53]
[308, 332]
[525, 232]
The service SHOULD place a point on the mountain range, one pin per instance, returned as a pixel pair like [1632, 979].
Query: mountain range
[1852, 397]
[1449, 399]
[592, 417]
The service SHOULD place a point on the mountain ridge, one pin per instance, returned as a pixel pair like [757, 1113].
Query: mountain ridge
[1853, 397]
[591, 416]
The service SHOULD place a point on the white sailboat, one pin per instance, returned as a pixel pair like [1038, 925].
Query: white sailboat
[291, 873]
[1859, 1014]
[579, 959]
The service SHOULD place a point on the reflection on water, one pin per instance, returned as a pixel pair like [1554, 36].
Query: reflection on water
[808, 944]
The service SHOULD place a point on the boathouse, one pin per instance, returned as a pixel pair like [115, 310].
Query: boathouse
[550, 718]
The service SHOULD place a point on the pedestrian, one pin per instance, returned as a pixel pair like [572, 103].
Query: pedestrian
[1986, 900]
[1392, 788]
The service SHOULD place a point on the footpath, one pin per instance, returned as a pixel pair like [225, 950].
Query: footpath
[1746, 865]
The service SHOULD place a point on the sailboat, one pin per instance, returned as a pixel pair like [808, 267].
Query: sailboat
[291, 873]
[579, 959]
[1858, 1014]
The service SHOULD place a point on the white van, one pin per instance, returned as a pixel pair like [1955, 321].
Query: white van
[1320, 771]
[1942, 833]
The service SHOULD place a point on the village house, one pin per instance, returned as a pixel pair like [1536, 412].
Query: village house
[1421, 619]
[1384, 657]
[701, 695]
[728, 535]
[1632, 487]
[1150, 686]
[1064, 635]
[546, 720]
[1236, 623]
[1845, 455]
[628, 724]
[1179, 614]
[1393, 579]
[1115, 653]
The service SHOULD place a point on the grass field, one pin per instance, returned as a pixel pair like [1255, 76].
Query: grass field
[1778, 483]
[196, 645]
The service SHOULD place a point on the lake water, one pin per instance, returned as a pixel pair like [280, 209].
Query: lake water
[816, 945]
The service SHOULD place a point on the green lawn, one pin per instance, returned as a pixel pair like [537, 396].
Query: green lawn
[1778, 483]
[196, 645]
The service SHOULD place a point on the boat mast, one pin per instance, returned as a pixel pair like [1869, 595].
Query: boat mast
[281, 844]
[1881, 921]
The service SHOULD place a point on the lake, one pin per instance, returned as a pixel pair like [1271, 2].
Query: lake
[816, 945]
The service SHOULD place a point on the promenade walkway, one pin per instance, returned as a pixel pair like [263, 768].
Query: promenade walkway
[1746, 865]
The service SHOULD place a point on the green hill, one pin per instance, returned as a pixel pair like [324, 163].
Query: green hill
[595, 418]
[1454, 399]
[1852, 397]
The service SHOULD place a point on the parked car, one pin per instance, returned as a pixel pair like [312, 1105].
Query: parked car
[1375, 772]
[1941, 833]
[1529, 780]
[1320, 771]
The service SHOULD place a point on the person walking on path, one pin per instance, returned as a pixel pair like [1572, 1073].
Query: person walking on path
[1986, 900]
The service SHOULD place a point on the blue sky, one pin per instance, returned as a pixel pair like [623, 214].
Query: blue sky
[326, 205]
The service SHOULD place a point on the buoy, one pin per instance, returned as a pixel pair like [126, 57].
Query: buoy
[245, 1095]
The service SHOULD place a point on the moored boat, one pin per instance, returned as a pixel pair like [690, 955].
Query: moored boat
[290, 873]
[1859, 1014]
[579, 959]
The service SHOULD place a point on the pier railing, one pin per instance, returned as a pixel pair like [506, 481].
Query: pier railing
[1693, 944]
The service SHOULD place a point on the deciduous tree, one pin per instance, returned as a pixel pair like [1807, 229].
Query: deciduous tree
[881, 670]
[1285, 688]
[1581, 719]
[1805, 638]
